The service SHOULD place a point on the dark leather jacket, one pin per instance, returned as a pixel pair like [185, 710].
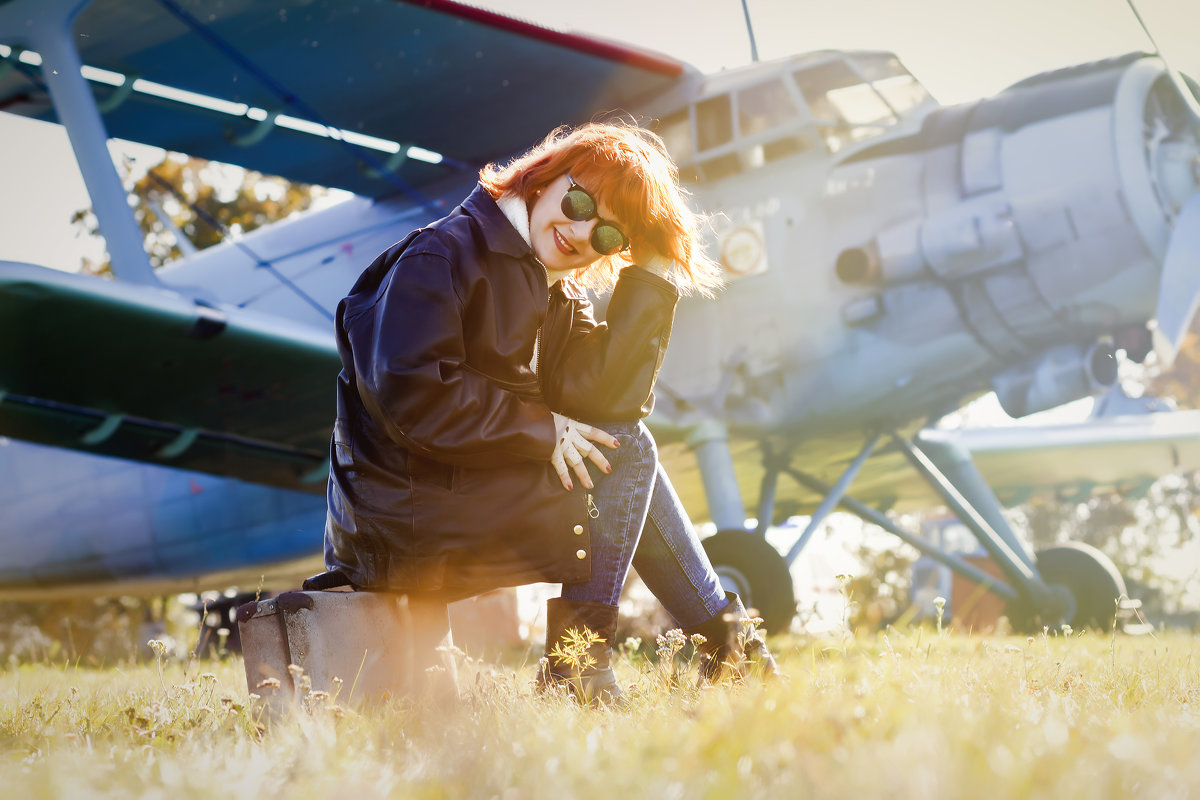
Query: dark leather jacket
[440, 478]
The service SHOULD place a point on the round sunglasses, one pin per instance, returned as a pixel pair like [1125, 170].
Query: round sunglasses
[579, 205]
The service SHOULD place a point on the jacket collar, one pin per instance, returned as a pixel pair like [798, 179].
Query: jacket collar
[517, 213]
[498, 232]
[502, 236]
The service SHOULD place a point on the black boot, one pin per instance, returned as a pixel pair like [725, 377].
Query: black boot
[586, 671]
[732, 645]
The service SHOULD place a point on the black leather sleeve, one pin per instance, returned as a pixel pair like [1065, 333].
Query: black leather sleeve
[409, 359]
[607, 370]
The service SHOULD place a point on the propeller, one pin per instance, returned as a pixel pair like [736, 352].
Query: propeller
[1177, 78]
[1179, 292]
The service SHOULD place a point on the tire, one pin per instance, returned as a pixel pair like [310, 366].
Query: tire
[754, 569]
[1091, 578]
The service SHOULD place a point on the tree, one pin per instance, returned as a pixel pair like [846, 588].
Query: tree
[191, 193]
[1139, 533]
[1182, 380]
[1143, 534]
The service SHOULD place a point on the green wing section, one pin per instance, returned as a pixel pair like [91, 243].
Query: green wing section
[146, 374]
[143, 373]
[1125, 454]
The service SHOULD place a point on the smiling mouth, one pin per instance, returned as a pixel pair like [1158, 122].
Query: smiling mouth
[562, 244]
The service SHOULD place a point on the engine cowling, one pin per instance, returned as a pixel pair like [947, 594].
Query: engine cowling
[1059, 375]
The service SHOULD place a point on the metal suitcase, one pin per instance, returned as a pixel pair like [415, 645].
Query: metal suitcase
[358, 647]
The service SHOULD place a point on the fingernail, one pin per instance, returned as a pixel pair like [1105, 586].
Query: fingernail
[608, 470]
[570, 486]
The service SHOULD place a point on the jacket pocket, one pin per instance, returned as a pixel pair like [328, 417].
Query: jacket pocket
[341, 451]
[525, 388]
[430, 472]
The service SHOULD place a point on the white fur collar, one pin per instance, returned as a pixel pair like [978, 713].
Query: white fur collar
[516, 212]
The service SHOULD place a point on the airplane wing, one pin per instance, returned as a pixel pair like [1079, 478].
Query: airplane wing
[141, 373]
[337, 94]
[144, 374]
[1125, 454]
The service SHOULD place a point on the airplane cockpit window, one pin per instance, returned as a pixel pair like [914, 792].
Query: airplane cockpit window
[714, 122]
[763, 107]
[714, 127]
[735, 131]
[676, 132]
[847, 108]
[897, 85]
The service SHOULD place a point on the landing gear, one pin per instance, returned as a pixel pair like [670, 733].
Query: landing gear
[219, 632]
[1072, 583]
[1093, 589]
[754, 569]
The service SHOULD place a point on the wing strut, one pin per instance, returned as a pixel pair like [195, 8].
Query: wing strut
[46, 25]
[1006, 548]
[259, 261]
[864, 511]
[948, 468]
[831, 497]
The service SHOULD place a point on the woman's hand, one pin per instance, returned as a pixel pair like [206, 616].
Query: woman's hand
[649, 259]
[573, 445]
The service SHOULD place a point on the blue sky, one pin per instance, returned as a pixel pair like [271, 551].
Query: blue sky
[960, 49]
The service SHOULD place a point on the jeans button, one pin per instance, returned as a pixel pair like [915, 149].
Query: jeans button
[581, 554]
[578, 529]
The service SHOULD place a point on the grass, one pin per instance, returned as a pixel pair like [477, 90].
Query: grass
[904, 714]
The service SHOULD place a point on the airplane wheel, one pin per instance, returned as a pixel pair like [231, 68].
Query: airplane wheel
[1092, 579]
[1089, 576]
[754, 569]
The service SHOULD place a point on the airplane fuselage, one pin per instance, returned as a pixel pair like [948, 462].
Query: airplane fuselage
[77, 524]
[882, 271]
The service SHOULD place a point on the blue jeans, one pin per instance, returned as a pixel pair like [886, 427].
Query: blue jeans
[641, 522]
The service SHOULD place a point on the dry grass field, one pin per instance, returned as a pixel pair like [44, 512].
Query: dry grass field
[909, 713]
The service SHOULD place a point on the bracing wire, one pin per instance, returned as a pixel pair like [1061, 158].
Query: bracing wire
[223, 229]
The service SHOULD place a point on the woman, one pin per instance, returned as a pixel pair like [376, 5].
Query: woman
[470, 353]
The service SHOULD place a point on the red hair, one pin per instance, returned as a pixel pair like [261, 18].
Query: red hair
[628, 168]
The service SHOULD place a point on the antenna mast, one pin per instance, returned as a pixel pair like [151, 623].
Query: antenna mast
[750, 32]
